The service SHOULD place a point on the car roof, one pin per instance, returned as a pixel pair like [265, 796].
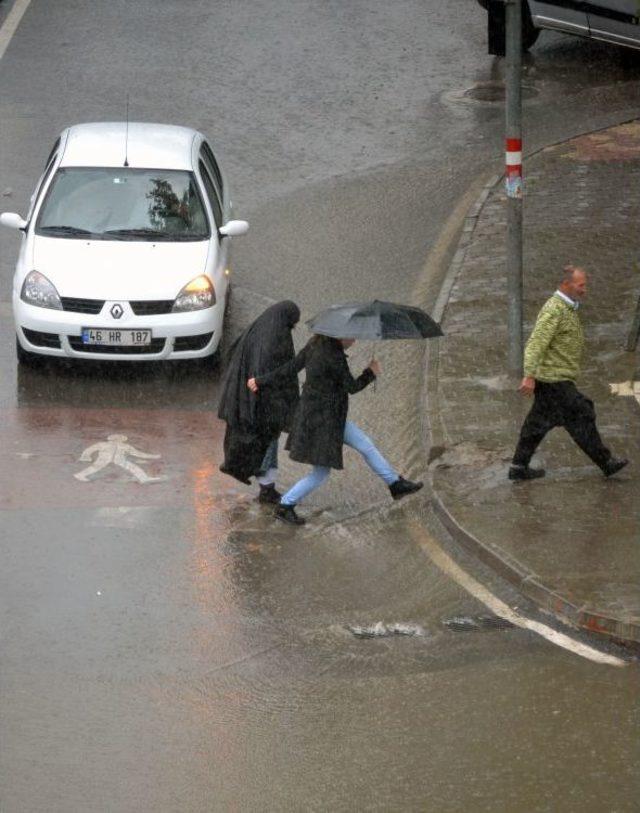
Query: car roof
[152, 146]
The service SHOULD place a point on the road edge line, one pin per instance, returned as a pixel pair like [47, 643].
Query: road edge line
[11, 23]
[452, 569]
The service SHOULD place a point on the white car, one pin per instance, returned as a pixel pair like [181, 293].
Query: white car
[125, 249]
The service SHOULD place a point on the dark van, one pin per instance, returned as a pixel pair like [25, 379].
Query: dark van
[615, 21]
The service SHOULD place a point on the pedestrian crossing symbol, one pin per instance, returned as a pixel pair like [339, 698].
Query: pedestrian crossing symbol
[115, 450]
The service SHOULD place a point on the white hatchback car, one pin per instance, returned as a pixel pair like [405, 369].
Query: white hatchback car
[125, 250]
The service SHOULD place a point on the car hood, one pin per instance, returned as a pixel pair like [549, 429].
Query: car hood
[106, 269]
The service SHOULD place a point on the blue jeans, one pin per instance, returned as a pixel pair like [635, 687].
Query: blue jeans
[356, 438]
[270, 459]
[269, 466]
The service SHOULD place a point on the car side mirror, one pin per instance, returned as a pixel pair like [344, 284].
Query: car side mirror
[234, 228]
[13, 221]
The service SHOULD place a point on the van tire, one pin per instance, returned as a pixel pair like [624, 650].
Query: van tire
[496, 27]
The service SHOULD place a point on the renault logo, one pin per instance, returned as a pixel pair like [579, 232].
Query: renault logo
[117, 311]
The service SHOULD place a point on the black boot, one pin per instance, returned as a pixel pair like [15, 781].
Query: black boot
[613, 465]
[286, 513]
[269, 494]
[525, 473]
[402, 488]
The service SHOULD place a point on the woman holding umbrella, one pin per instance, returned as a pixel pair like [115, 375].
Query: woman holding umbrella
[320, 426]
[254, 422]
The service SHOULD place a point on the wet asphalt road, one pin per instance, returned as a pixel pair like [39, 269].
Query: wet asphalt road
[165, 647]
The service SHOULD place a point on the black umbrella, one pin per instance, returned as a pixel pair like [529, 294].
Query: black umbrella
[374, 320]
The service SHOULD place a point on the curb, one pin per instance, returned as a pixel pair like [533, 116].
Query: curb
[528, 582]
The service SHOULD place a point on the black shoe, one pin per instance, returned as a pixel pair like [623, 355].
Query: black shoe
[525, 473]
[613, 465]
[286, 513]
[269, 494]
[402, 488]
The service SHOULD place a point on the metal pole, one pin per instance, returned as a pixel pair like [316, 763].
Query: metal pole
[514, 186]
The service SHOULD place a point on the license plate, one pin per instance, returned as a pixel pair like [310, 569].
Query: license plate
[117, 338]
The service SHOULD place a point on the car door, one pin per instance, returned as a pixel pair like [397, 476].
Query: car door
[565, 15]
[615, 21]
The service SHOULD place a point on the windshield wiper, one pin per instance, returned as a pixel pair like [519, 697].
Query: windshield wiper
[131, 231]
[64, 230]
[153, 234]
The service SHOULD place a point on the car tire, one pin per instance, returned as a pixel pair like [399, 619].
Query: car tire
[25, 358]
[227, 302]
[209, 364]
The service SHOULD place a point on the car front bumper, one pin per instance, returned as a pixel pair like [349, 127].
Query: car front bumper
[175, 336]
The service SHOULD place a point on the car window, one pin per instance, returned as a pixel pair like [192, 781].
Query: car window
[213, 167]
[123, 204]
[211, 194]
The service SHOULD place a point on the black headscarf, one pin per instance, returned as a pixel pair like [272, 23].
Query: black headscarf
[264, 346]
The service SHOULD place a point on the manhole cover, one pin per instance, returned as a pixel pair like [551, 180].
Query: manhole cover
[495, 92]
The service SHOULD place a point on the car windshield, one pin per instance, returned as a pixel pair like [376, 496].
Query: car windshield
[123, 204]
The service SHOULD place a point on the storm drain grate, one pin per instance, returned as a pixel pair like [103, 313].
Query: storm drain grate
[476, 623]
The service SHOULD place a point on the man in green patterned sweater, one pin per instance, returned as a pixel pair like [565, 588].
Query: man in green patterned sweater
[552, 359]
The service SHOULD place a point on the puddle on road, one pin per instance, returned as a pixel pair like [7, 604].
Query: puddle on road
[554, 69]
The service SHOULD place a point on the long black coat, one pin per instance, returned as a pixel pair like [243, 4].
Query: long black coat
[317, 433]
[253, 421]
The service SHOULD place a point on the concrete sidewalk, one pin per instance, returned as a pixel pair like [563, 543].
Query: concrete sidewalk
[571, 541]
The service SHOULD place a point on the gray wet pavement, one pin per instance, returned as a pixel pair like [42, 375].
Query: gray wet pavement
[572, 539]
[166, 646]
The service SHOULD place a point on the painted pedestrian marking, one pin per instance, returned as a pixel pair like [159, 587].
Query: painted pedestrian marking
[116, 450]
[627, 389]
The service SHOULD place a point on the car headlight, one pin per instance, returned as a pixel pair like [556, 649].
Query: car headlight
[195, 296]
[38, 290]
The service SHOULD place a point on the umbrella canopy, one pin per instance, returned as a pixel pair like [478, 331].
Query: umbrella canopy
[374, 321]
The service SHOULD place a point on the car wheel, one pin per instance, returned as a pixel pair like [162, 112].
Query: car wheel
[25, 358]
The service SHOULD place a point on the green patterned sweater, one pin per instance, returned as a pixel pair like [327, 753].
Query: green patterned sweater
[554, 350]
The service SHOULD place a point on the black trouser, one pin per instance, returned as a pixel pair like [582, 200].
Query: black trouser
[560, 404]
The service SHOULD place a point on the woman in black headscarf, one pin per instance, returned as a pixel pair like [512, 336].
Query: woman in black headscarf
[255, 421]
